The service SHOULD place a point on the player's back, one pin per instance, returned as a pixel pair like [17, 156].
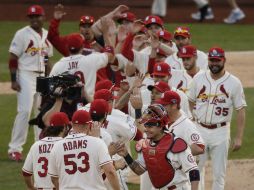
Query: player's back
[37, 161]
[77, 160]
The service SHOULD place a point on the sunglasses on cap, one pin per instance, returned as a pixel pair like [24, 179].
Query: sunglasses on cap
[151, 124]
[215, 54]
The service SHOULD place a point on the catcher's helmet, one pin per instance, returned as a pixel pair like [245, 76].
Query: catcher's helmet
[155, 115]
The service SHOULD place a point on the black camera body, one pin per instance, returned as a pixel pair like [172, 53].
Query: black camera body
[47, 86]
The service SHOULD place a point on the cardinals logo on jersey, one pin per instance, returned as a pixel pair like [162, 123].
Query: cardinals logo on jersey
[202, 95]
[31, 49]
[222, 89]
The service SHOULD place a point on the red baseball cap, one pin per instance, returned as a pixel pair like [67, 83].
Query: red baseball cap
[216, 53]
[59, 119]
[35, 10]
[187, 51]
[169, 97]
[75, 41]
[104, 94]
[152, 19]
[81, 117]
[86, 20]
[129, 16]
[161, 69]
[161, 86]
[99, 107]
[182, 31]
[165, 35]
[105, 84]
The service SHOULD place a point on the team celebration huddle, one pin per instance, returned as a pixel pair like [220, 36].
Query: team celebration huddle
[121, 79]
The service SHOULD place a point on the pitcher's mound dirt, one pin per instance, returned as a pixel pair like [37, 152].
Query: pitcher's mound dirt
[240, 174]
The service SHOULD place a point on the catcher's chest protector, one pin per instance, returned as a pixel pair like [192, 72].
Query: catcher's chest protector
[159, 168]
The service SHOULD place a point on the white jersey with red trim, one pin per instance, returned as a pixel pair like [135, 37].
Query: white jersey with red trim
[184, 128]
[36, 162]
[182, 163]
[31, 48]
[215, 99]
[119, 125]
[181, 80]
[176, 63]
[146, 98]
[77, 161]
[83, 66]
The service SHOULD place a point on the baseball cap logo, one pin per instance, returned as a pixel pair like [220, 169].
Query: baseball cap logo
[174, 101]
[153, 20]
[162, 96]
[214, 52]
[33, 9]
[87, 17]
[161, 33]
[158, 68]
[184, 50]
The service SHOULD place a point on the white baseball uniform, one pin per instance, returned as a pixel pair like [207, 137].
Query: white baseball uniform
[146, 98]
[31, 49]
[176, 63]
[36, 162]
[215, 100]
[183, 160]
[181, 80]
[83, 66]
[77, 161]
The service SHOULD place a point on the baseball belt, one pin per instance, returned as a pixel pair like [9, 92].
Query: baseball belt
[172, 187]
[213, 126]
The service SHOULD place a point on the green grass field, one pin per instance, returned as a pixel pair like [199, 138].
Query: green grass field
[230, 37]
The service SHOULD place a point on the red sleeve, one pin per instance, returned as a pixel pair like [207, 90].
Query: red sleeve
[151, 64]
[13, 64]
[26, 174]
[127, 47]
[59, 42]
[139, 135]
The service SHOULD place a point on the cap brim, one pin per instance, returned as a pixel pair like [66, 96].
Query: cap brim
[185, 56]
[183, 35]
[219, 58]
[160, 74]
[160, 101]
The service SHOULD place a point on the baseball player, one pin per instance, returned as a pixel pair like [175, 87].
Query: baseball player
[167, 159]
[29, 51]
[119, 125]
[181, 79]
[161, 72]
[77, 161]
[181, 125]
[215, 93]
[83, 66]
[60, 42]
[99, 110]
[36, 163]
[182, 37]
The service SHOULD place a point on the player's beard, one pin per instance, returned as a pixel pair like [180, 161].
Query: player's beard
[215, 69]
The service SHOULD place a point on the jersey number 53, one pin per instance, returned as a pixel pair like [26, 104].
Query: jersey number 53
[69, 160]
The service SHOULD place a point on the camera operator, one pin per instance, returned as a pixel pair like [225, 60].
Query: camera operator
[85, 67]
[62, 93]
